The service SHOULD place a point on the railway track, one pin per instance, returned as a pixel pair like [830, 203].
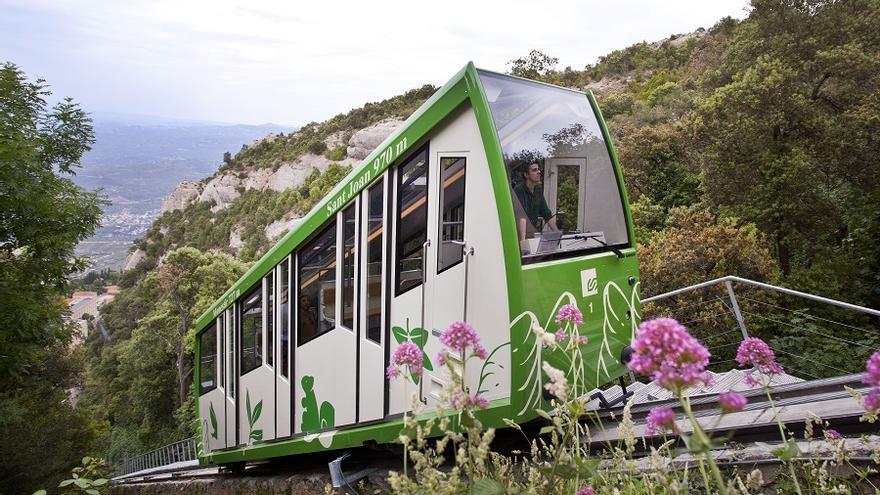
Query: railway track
[794, 402]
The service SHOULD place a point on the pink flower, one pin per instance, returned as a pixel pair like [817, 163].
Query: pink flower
[480, 351]
[832, 434]
[561, 335]
[580, 339]
[459, 336]
[585, 490]
[409, 355]
[392, 372]
[872, 370]
[461, 400]
[442, 356]
[872, 401]
[754, 351]
[731, 402]
[660, 420]
[571, 314]
[665, 351]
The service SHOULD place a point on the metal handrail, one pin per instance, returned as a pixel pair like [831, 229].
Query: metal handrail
[791, 292]
[180, 451]
[739, 314]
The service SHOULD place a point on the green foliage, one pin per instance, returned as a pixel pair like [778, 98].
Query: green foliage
[43, 215]
[43, 434]
[536, 65]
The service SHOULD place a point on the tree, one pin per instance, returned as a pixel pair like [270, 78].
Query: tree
[535, 65]
[43, 214]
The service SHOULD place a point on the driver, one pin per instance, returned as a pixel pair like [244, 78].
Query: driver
[530, 194]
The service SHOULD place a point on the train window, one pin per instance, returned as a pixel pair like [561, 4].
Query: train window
[283, 296]
[252, 330]
[412, 220]
[317, 289]
[221, 334]
[270, 317]
[349, 255]
[563, 184]
[451, 212]
[208, 364]
[375, 229]
[230, 329]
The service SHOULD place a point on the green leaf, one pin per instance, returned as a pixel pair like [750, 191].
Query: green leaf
[400, 335]
[99, 482]
[92, 491]
[247, 406]
[486, 486]
[213, 421]
[787, 452]
[81, 482]
[419, 336]
[546, 429]
[257, 435]
[426, 363]
[40, 492]
[258, 409]
[543, 414]
[65, 483]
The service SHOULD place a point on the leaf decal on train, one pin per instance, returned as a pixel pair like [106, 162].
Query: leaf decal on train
[253, 415]
[313, 417]
[419, 337]
[213, 421]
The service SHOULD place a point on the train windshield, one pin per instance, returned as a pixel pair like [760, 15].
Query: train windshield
[565, 193]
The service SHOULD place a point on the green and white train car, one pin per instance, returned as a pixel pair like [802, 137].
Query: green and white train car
[497, 202]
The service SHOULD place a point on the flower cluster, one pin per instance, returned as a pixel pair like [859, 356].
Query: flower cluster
[570, 314]
[459, 337]
[558, 384]
[660, 420]
[577, 339]
[731, 402]
[461, 400]
[409, 355]
[665, 351]
[585, 490]
[872, 378]
[547, 339]
[755, 352]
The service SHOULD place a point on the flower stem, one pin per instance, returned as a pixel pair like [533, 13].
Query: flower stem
[797, 486]
[704, 440]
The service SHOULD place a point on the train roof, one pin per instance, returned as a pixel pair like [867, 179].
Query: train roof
[464, 85]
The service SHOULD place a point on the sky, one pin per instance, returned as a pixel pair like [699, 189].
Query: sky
[291, 62]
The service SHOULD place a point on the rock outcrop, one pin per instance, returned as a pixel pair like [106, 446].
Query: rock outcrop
[278, 228]
[235, 240]
[133, 258]
[185, 193]
[364, 141]
[221, 190]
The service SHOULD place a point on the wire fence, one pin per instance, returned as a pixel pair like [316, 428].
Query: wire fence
[813, 337]
[181, 451]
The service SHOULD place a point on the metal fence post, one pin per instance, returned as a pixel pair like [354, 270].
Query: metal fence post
[736, 311]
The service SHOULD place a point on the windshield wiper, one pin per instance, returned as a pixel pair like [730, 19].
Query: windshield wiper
[596, 238]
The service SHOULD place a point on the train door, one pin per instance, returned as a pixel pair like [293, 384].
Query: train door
[231, 375]
[282, 348]
[564, 192]
[256, 390]
[408, 262]
[325, 364]
[446, 272]
[371, 338]
[211, 394]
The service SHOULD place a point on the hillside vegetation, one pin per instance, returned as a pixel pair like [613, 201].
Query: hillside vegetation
[749, 148]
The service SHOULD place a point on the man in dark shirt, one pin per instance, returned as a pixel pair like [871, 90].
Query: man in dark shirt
[530, 195]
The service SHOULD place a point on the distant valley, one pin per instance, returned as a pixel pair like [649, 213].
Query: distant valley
[138, 160]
